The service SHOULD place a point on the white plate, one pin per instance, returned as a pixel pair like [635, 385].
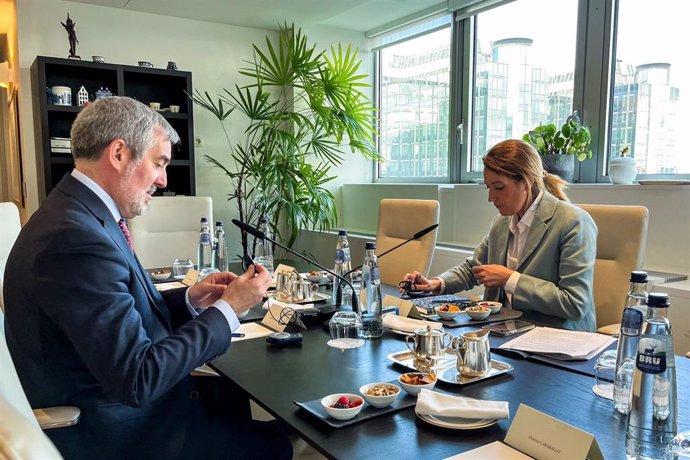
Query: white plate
[457, 423]
[399, 332]
[664, 182]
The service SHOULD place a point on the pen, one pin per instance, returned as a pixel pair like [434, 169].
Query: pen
[236, 334]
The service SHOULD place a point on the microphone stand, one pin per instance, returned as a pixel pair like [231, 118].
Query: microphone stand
[416, 236]
[259, 234]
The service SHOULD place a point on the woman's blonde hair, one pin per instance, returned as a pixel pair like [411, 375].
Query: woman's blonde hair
[520, 161]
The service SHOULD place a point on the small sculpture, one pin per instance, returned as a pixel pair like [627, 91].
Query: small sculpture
[82, 96]
[71, 36]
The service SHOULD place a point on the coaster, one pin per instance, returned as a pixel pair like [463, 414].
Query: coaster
[345, 344]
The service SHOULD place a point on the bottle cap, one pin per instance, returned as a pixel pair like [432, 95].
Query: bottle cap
[658, 300]
[219, 223]
[342, 232]
[638, 277]
[203, 219]
[370, 245]
[263, 220]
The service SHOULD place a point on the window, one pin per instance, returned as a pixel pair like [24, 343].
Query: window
[619, 63]
[651, 79]
[414, 99]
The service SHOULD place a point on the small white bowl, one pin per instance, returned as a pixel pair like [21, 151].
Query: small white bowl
[161, 275]
[341, 414]
[379, 401]
[495, 307]
[414, 390]
[478, 313]
[447, 315]
[318, 277]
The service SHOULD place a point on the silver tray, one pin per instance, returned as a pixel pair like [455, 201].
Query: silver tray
[444, 367]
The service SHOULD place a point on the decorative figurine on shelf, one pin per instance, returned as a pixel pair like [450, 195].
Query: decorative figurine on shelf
[101, 93]
[82, 96]
[72, 37]
[172, 65]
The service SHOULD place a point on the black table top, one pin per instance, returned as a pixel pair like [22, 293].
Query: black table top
[275, 377]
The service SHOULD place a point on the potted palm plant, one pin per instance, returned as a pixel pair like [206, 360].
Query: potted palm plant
[305, 110]
[560, 147]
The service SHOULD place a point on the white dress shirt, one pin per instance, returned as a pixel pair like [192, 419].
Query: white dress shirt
[220, 304]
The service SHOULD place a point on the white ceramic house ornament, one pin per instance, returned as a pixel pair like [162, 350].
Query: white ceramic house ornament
[82, 96]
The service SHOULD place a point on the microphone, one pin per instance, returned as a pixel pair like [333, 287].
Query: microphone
[259, 234]
[416, 236]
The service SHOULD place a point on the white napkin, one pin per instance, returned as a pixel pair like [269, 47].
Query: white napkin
[433, 403]
[392, 321]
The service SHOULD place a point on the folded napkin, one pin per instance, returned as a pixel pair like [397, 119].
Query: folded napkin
[433, 403]
[392, 321]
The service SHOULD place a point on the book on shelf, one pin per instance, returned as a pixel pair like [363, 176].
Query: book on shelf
[561, 344]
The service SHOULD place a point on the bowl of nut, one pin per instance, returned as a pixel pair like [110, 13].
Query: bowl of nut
[317, 277]
[342, 406]
[495, 307]
[160, 275]
[413, 382]
[447, 311]
[380, 394]
[478, 313]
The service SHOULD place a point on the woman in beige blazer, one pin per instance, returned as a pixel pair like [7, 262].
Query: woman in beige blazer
[539, 254]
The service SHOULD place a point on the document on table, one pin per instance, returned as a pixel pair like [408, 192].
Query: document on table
[560, 344]
[251, 331]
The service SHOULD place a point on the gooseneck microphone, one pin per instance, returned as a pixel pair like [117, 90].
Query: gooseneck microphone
[416, 236]
[259, 234]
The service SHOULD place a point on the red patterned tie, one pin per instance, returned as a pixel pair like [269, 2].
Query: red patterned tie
[125, 231]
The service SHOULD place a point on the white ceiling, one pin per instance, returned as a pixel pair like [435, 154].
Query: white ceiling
[357, 15]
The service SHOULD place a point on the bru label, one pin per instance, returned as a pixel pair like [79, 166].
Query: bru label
[651, 356]
[339, 256]
[205, 239]
[375, 275]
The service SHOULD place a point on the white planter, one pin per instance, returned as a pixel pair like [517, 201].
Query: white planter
[622, 170]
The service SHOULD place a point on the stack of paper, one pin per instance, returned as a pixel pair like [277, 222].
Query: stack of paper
[560, 343]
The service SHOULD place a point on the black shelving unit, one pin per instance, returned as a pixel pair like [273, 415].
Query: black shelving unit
[168, 87]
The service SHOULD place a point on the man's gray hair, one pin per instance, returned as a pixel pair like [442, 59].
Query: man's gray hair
[116, 117]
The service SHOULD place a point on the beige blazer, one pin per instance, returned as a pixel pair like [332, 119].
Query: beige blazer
[557, 266]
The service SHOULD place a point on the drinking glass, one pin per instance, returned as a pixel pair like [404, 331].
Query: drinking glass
[181, 267]
[345, 325]
[604, 372]
[679, 448]
[207, 271]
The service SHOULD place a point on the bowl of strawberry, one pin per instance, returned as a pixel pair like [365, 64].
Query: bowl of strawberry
[342, 406]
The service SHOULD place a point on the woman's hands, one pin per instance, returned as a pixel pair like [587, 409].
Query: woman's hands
[420, 283]
[492, 276]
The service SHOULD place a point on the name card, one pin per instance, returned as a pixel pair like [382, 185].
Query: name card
[406, 307]
[191, 278]
[534, 434]
[282, 268]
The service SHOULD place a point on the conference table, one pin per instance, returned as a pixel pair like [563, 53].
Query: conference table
[275, 377]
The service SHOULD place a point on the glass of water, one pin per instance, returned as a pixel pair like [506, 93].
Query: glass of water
[181, 267]
[345, 325]
[679, 448]
[604, 371]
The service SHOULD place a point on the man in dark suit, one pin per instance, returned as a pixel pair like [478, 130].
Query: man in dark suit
[86, 327]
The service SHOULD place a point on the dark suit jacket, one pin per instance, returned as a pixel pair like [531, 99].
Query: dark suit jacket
[86, 327]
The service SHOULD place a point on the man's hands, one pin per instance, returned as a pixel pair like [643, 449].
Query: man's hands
[493, 276]
[241, 292]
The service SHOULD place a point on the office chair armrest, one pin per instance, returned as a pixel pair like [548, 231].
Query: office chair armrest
[611, 329]
[57, 417]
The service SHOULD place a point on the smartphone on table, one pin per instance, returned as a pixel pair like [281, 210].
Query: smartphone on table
[507, 328]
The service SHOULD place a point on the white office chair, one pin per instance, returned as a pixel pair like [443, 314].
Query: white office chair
[621, 245]
[170, 230]
[9, 230]
[20, 427]
[399, 219]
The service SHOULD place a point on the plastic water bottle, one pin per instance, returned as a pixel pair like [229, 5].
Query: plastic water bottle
[204, 254]
[264, 250]
[370, 295]
[652, 422]
[633, 314]
[343, 265]
[220, 249]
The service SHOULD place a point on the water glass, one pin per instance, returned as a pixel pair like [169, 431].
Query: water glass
[345, 325]
[604, 372]
[679, 448]
[181, 267]
[207, 271]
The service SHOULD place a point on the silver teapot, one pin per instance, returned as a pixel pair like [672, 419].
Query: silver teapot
[428, 343]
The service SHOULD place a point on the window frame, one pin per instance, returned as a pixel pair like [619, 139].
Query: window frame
[592, 96]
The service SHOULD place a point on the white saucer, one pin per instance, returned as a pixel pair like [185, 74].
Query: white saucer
[345, 344]
[457, 423]
[606, 393]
